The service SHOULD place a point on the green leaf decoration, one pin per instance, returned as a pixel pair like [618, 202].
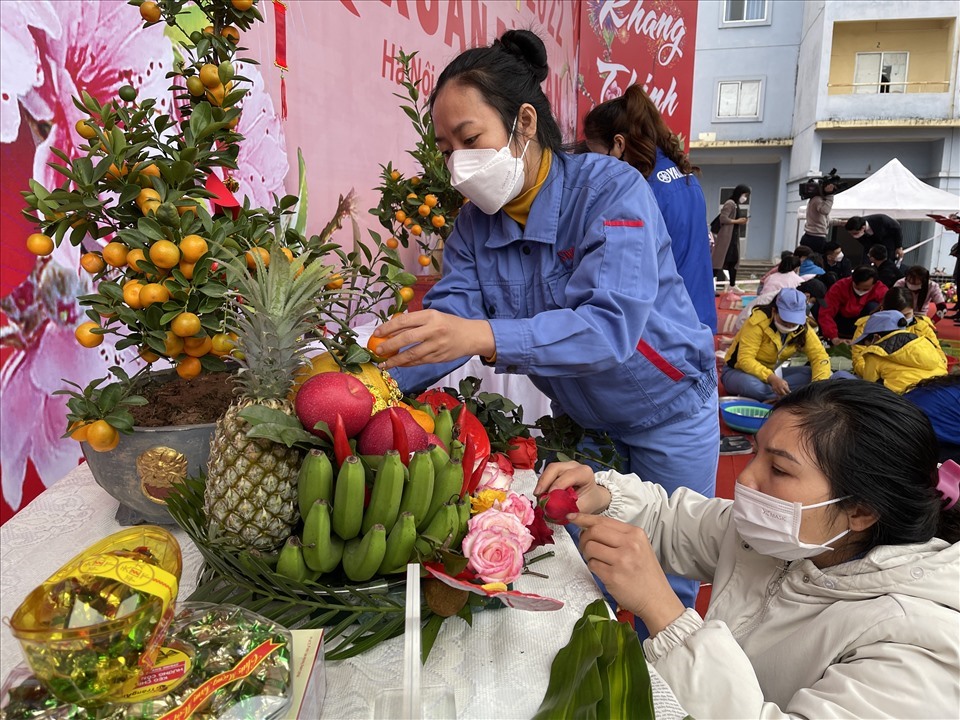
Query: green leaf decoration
[256, 414]
[600, 673]
[428, 636]
[356, 617]
[282, 434]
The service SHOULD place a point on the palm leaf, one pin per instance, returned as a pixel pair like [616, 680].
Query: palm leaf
[356, 618]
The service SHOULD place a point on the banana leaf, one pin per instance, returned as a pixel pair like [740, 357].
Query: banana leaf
[355, 617]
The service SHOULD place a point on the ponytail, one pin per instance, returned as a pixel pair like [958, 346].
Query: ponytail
[634, 116]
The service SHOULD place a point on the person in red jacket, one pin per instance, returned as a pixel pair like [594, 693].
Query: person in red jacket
[849, 299]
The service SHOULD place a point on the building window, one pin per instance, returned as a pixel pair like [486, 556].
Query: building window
[880, 72]
[739, 99]
[744, 11]
[743, 211]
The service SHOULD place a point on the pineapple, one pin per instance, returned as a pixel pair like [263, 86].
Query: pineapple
[251, 494]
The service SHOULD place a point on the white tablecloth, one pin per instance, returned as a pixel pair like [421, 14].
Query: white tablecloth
[498, 668]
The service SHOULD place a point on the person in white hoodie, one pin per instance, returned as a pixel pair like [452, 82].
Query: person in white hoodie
[835, 568]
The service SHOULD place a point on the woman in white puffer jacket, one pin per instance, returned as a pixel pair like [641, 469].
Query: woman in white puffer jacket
[835, 569]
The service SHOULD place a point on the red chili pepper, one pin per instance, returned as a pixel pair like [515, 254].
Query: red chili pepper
[477, 476]
[400, 443]
[341, 445]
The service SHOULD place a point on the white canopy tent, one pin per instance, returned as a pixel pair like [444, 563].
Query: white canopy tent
[894, 191]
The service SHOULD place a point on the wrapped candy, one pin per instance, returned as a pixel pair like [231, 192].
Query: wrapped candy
[217, 661]
[92, 628]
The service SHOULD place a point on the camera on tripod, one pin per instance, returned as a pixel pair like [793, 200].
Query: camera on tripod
[814, 187]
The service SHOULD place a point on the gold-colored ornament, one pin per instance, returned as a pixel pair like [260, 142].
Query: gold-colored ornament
[158, 468]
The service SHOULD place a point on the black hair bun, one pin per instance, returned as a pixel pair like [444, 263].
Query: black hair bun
[530, 48]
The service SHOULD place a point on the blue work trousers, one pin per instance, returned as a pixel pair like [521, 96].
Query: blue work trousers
[738, 382]
[682, 453]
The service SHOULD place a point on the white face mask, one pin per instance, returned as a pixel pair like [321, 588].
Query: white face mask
[743, 199]
[860, 293]
[837, 259]
[911, 286]
[785, 329]
[771, 526]
[489, 178]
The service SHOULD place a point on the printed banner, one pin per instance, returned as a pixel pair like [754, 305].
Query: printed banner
[342, 113]
[650, 42]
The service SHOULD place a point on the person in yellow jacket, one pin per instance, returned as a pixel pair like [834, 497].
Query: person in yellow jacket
[897, 298]
[775, 332]
[894, 355]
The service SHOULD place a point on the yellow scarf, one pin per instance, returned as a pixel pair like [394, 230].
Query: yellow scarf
[519, 207]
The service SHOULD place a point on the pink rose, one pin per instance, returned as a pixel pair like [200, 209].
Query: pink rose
[523, 453]
[518, 505]
[557, 504]
[495, 544]
[495, 477]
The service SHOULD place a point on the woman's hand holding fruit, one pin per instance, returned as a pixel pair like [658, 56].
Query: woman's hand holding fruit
[431, 336]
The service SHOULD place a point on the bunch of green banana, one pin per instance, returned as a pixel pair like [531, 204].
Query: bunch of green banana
[412, 512]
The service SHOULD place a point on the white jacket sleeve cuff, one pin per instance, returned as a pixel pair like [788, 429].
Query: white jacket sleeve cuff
[608, 480]
[673, 635]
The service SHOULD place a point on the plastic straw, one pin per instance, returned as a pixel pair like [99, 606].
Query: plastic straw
[412, 700]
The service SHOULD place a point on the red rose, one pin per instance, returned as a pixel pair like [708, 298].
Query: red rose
[557, 504]
[523, 452]
[542, 534]
[503, 463]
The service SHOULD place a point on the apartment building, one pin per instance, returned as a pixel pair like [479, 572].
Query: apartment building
[787, 89]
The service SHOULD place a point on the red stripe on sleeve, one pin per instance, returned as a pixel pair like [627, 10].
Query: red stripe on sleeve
[623, 223]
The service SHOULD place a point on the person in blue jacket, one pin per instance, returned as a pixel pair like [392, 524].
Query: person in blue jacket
[630, 128]
[560, 268]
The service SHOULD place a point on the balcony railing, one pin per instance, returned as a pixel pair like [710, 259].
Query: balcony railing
[898, 88]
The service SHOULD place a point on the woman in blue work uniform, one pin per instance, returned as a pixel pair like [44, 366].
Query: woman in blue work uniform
[560, 268]
[630, 128]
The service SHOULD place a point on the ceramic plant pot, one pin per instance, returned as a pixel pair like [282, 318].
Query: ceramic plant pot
[140, 470]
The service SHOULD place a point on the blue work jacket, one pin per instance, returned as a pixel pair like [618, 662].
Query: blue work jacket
[585, 300]
[684, 210]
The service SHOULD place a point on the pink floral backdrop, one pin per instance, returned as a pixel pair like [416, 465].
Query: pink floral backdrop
[51, 50]
[341, 114]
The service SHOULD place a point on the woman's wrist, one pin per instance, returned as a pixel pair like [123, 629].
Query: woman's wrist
[487, 343]
[614, 505]
[662, 611]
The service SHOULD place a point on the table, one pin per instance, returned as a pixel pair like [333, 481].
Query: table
[498, 668]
